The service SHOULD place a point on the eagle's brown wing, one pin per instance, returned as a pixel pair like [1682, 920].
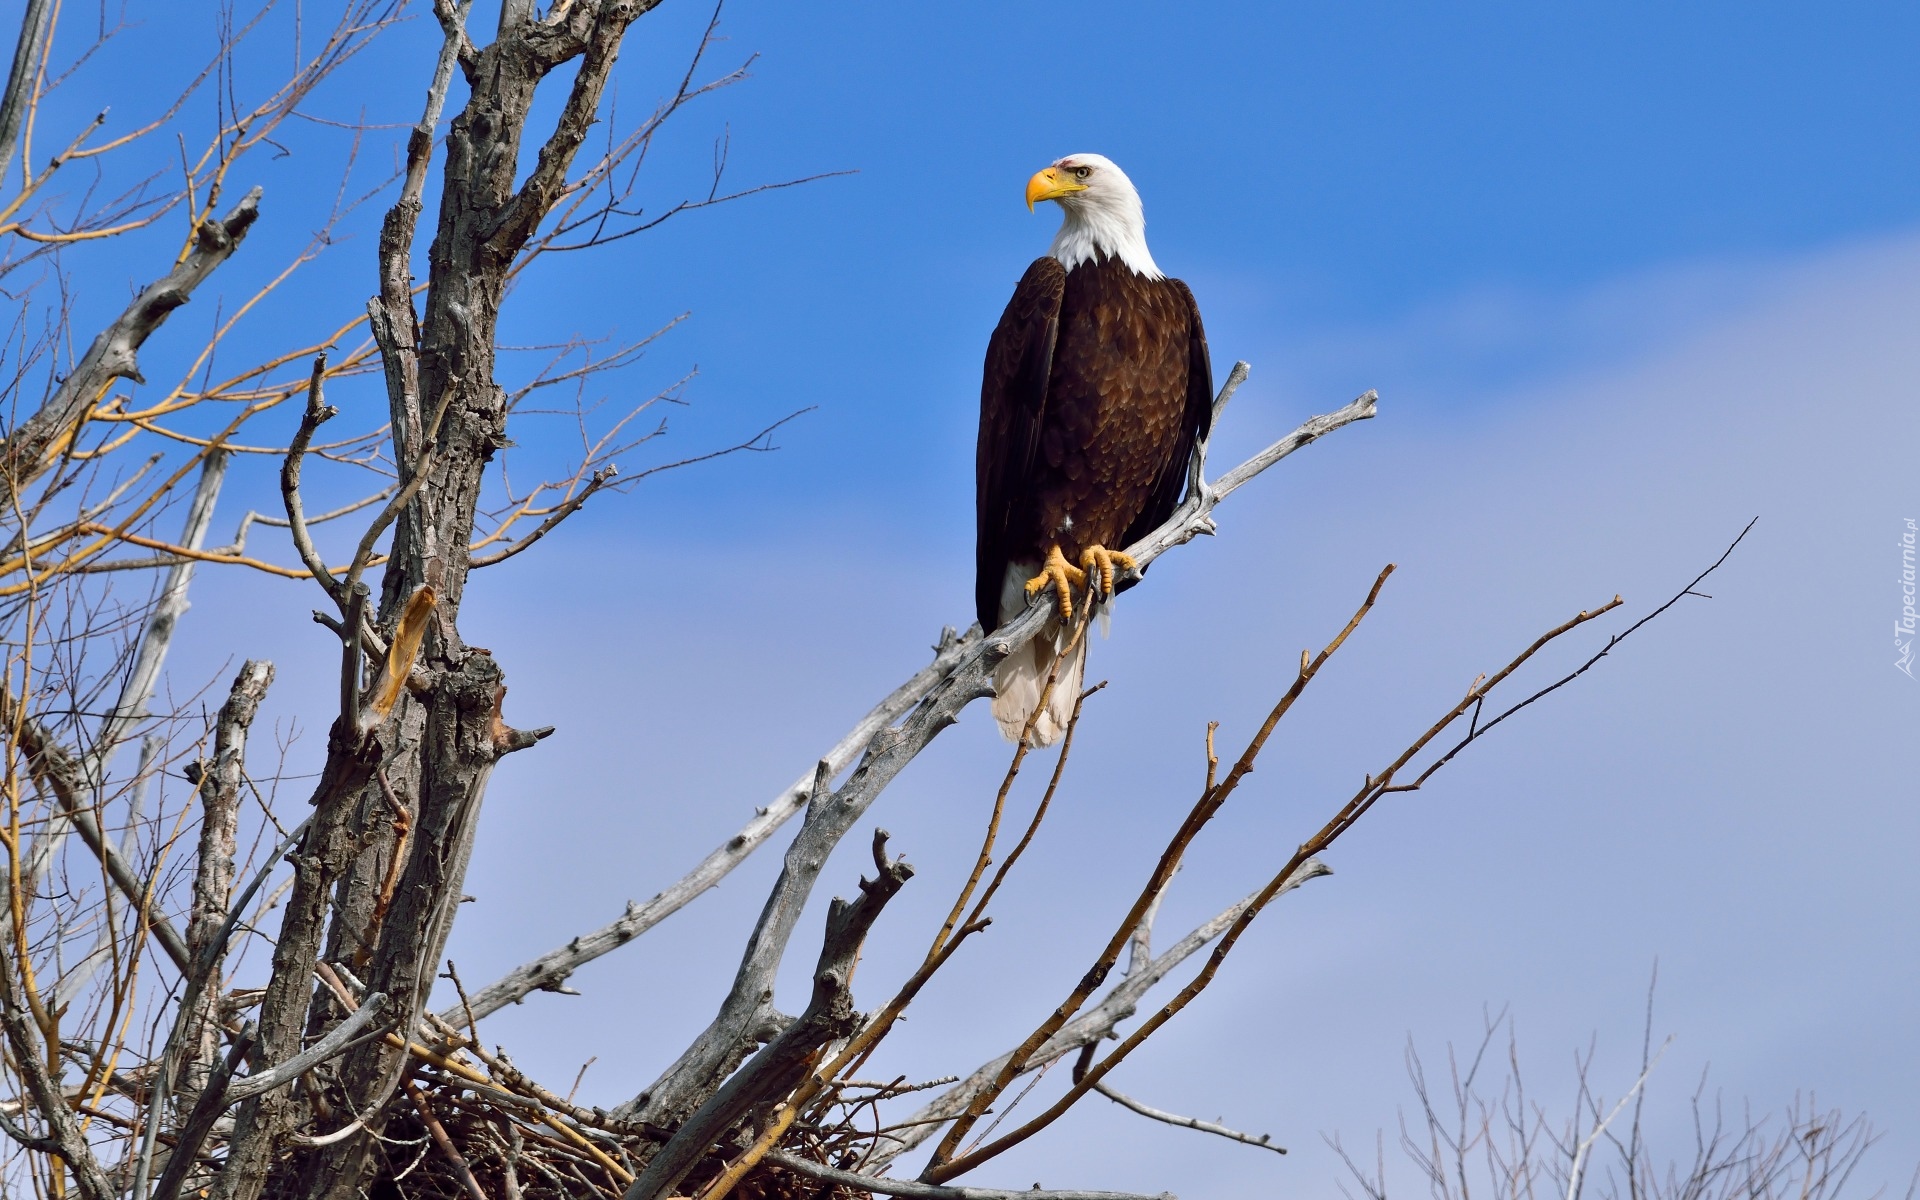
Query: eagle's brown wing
[1196, 423]
[1013, 401]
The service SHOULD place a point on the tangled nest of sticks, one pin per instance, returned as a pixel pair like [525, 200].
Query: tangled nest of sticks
[501, 1151]
[468, 1124]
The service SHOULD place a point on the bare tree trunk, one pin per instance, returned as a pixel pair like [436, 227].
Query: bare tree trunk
[319, 859]
[450, 414]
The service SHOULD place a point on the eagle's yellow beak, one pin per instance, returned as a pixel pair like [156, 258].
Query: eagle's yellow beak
[1051, 184]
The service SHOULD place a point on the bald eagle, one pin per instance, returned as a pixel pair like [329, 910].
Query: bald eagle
[1096, 385]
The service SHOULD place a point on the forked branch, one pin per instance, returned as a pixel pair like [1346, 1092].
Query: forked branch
[773, 1072]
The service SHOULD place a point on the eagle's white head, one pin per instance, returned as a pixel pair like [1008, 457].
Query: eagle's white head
[1103, 213]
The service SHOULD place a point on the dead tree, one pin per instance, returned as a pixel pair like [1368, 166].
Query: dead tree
[333, 1078]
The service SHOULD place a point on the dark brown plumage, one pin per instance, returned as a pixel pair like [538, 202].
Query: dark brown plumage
[1096, 385]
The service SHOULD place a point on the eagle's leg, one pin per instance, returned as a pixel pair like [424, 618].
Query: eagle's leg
[1060, 575]
[1099, 562]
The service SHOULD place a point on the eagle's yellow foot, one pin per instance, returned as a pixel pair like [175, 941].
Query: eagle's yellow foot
[1060, 575]
[1099, 562]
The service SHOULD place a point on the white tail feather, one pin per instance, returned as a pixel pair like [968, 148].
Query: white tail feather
[1023, 676]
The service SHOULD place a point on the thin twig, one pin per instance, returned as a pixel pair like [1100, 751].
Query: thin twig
[317, 413]
[460, 1168]
[1264, 1141]
[922, 1191]
[1576, 1174]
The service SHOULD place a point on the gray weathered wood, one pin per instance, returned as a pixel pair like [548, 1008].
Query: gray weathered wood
[549, 971]
[20, 79]
[222, 776]
[114, 354]
[774, 1071]
[358, 1021]
[1262, 1141]
[201, 1119]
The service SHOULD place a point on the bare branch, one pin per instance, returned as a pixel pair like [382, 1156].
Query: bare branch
[1203, 811]
[1578, 1170]
[461, 1170]
[24, 453]
[221, 781]
[157, 638]
[64, 1136]
[390, 315]
[1375, 787]
[1264, 1141]
[535, 199]
[925, 1191]
[102, 952]
[323, 844]
[1194, 516]
[773, 1072]
[1477, 730]
[748, 1004]
[142, 676]
[20, 80]
[337, 1040]
[200, 1121]
[1090, 1027]
[317, 413]
[51, 761]
[561, 512]
[549, 972]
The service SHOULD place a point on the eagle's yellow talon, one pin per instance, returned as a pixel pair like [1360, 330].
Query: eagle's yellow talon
[1098, 562]
[1060, 575]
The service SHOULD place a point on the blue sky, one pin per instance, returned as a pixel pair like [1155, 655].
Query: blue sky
[1626, 276]
[1310, 168]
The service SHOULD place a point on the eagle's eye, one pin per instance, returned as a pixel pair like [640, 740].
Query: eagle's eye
[1082, 172]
